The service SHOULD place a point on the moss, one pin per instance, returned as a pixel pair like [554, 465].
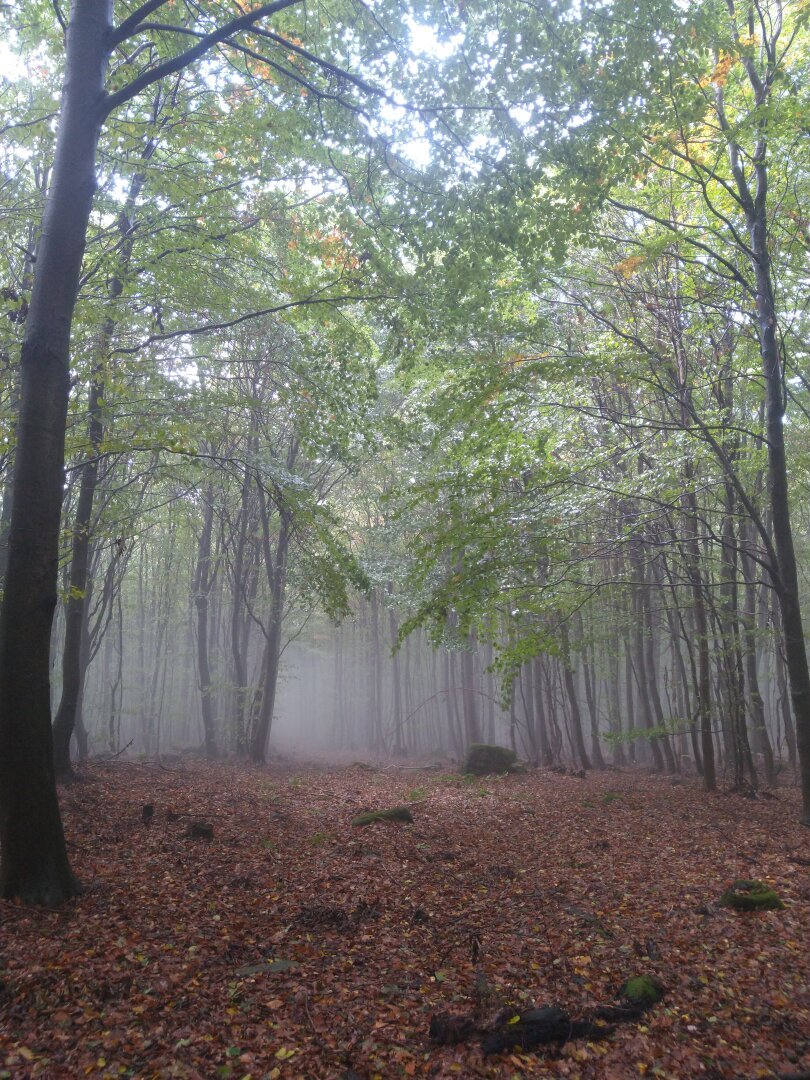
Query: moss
[482, 759]
[751, 896]
[396, 813]
[643, 991]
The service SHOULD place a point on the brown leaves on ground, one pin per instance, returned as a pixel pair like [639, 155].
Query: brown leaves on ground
[292, 945]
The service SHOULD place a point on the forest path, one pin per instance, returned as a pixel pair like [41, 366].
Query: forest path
[293, 945]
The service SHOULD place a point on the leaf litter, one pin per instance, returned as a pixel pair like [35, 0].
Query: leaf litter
[292, 945]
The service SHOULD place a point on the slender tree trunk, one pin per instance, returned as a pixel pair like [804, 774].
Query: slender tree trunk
[277, 574]
[748, 616]
[238, 643]
[646, 680]
[452, 703]
[785, 574]
[590, 697]
[396, 685]
[540, 712]
[202, 591]
[72, 673]
[577, 739]
[614, 702]
[375, 674]
[472, 727]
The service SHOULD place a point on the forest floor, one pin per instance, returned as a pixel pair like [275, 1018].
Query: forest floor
[294, 945]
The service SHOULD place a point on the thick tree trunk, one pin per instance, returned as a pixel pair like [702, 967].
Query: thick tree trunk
[34, 861]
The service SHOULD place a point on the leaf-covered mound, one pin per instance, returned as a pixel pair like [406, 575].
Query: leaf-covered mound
[745, 895]
[483, 759]
[293, 945]
[395, 813]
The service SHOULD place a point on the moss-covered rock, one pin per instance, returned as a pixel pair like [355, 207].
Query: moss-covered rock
[396, 813]
[643, 991]
[483, 759]
[751, 896]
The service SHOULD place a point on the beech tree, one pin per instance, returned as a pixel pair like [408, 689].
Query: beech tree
[34, 864]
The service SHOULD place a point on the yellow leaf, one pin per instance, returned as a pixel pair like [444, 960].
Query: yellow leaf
[721, 69]
[627, 267]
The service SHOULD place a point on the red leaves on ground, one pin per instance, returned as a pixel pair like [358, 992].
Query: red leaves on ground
[292, 945]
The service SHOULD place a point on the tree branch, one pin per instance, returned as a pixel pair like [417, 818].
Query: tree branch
[208, 328]
[131, 25]
[184, 59]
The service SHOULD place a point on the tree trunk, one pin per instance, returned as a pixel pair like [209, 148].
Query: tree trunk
[784, 573]
[540, 712]
[238, 643]
[276, 564]
[34, 860]
[75, 615]
[202, 590]
[472, 727]
[577, 739]
[396, 682]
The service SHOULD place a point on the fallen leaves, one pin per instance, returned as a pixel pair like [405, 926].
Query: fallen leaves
[263, 953]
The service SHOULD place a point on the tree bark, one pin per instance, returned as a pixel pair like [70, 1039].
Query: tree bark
[276, 567]
[202, 589]
[577, 738]
[754, 200]
[34, 863]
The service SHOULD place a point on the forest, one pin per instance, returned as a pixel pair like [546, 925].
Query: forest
[404, 539]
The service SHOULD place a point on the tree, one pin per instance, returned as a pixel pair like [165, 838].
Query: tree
[34, 864]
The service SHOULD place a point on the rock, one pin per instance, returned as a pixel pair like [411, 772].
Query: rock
[745, 895]
[396, 813]
[483, 759]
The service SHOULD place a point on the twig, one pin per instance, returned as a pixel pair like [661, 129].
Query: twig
[101, 758]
